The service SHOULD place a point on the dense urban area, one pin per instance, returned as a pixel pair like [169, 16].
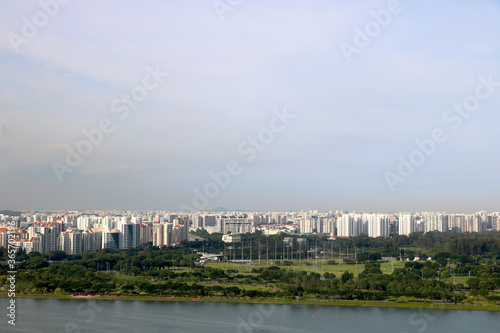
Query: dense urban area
[334, 256]
[77, 232]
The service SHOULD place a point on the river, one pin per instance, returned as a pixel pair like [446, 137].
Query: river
[62, 315]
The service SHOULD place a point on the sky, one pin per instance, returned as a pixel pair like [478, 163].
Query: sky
[286, 105]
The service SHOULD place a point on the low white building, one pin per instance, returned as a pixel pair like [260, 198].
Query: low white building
[231, 238]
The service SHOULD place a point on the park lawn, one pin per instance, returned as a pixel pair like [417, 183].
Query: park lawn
[458, 280]
[242, 269]
[387, 267]
[256, 286]
[321, 268]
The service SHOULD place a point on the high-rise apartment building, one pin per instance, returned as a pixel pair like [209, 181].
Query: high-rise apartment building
[378, 225]
[435, 222]
[406, 223]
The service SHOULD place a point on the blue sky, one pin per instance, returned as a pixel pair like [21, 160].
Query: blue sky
[225, 77]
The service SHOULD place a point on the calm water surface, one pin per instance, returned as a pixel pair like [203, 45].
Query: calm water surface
[58, 315]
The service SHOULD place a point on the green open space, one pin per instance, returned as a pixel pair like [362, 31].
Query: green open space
[466, 276]
[320, 266]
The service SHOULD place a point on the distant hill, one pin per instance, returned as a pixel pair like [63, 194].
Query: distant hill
[224, 209]
[10, 212]
[220, 209]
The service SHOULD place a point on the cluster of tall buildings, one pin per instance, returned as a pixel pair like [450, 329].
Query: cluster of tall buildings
[344, 224]
[373, 225]
[76, 232]
[425, 222]
[170, 233]
[238, 223]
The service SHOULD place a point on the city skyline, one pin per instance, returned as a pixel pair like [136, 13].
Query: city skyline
[225, 211]
[75, 233]
[382, 106]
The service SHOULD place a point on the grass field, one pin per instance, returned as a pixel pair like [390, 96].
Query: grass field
[386, 267]
[457, 280]
[320, 267]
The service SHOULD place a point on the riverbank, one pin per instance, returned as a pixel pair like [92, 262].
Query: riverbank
[320, 302]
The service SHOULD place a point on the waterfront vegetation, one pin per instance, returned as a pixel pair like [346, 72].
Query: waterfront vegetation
[464, 271]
